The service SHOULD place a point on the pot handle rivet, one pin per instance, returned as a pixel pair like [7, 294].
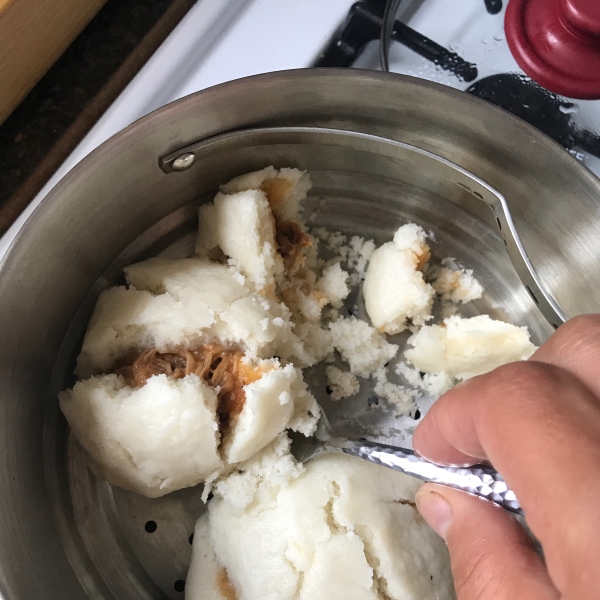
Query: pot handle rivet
[183, 161]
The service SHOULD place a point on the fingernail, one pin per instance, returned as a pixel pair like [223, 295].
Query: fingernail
[436, 510]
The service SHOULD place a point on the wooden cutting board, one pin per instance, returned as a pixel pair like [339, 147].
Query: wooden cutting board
[33, 34]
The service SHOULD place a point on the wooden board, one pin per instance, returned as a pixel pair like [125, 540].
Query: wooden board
[33, 34]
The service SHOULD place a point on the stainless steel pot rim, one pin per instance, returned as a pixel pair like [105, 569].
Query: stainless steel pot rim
[239, 85]
[117, 206]
[474, 185]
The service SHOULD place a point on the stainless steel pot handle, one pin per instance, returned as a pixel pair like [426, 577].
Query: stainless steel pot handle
[185, 158]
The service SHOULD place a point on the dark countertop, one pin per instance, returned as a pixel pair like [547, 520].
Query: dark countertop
[39, 135]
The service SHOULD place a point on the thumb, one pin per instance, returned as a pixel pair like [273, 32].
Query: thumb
[492, 556]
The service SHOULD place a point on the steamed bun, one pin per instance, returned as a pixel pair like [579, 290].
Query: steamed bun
[171, 433]
[126, 319]
[151, 440]
[273, 403]
[285, 189]
[242, 226]
[342, 529]
[395, 290]
[180, 302]
[462, 348]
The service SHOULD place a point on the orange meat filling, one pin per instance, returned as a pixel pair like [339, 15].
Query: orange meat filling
[225, 586]
[220, 367]
[276, 191]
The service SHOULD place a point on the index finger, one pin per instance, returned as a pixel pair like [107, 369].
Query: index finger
[575, 347]
[540, 427]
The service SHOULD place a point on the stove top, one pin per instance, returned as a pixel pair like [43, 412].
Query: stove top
[462, 45]
[458, 43]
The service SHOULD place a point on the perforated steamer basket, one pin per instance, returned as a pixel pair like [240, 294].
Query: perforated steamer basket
[65, 534]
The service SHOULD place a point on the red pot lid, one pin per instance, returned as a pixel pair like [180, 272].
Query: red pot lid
[557, 43]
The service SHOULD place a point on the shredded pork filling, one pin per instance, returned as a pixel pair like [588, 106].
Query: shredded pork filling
[291, 240]
[220, 367]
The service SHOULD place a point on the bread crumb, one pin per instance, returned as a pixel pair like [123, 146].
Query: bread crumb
[270, 469]
[359, 254]
[449, 309]
[361, 345]
[334, 284]
[334, 241]
[331, 314]
[434, 384]
[454, 284]
[341, 383]
[396, 394]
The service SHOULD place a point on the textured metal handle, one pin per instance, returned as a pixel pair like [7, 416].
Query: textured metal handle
[479, 480]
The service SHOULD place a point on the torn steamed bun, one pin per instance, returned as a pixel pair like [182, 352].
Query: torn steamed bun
[395, 291]
[269, 407]
[342, 529]
[285, 189]
[151, 440]
[241, 225]
[182, 322]
[184, 302]
[171, 420]
[129, 318]
[255, 221]
[463, 348]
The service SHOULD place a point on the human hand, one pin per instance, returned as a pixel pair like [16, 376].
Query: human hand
[538, 423]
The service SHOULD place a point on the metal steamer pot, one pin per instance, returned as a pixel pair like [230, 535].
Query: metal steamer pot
[65, 534]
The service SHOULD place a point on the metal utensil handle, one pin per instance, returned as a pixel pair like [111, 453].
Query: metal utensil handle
[479, 480]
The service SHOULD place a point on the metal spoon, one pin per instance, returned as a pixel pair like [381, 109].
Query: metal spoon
[479, 480]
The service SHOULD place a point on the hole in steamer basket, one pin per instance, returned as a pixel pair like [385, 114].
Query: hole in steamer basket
[150, 526]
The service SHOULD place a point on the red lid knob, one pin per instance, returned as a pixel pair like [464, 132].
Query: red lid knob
[557, 43]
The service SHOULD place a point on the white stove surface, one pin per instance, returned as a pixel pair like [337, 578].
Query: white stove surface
[221, 40]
